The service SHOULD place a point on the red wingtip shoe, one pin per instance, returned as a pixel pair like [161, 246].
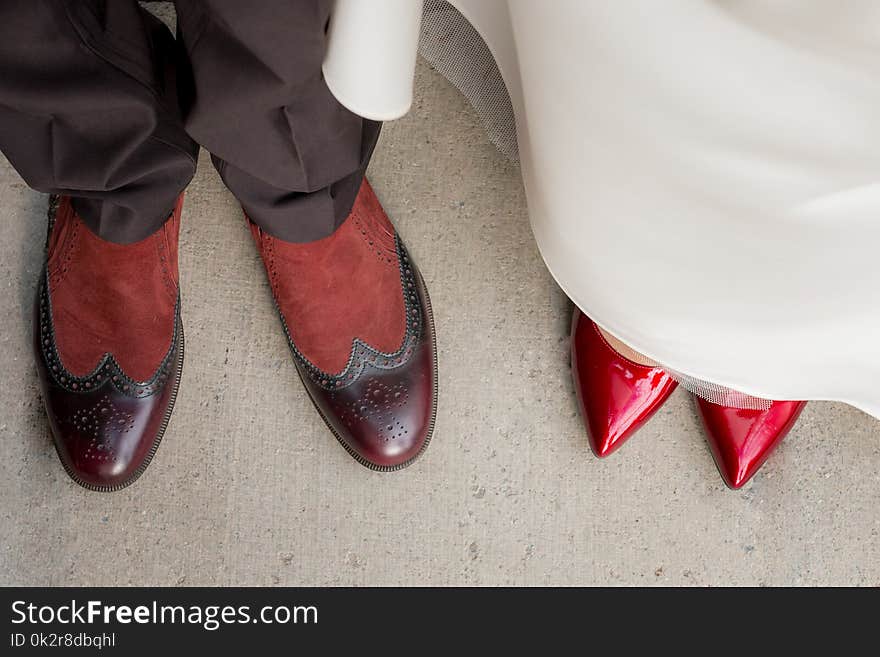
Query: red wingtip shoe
[616, 395]
[358, 321]
[108, 342]
[741, 439]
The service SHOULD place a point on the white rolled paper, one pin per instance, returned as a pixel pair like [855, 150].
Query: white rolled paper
[371, 56]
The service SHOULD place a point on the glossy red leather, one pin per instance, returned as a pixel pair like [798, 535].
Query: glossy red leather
[742, 439]
[616, 396]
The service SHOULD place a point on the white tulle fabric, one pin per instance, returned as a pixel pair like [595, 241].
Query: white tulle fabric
[703, 179]
[456, 50]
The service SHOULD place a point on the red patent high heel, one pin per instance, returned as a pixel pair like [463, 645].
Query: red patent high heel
[616, 395]
[741, 439]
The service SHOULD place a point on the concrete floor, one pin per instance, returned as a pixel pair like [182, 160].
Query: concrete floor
[249, 488]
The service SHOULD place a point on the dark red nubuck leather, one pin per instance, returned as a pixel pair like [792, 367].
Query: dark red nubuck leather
[358, 321]
[108, 342]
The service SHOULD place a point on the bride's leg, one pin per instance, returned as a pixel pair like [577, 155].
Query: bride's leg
[625, 350]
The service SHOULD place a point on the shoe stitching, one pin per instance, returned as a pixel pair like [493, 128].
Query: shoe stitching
[68, 246]
[164, 253]
[108, 370]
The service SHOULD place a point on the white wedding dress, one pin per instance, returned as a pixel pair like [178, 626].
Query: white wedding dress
[703, 179]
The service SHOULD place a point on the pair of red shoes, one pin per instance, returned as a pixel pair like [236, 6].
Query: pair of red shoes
[108, 340]
[617, 396]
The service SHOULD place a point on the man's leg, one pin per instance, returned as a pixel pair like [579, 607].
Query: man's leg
[291, 154]
[353, 305]
[88, 108]
[87, 112]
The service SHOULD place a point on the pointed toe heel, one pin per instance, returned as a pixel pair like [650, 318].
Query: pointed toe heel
[616, 396]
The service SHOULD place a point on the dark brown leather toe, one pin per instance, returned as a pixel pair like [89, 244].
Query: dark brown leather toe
[382, 406]
[105, 426]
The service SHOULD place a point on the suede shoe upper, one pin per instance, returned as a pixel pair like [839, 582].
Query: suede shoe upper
[344, 287]
[111, 298]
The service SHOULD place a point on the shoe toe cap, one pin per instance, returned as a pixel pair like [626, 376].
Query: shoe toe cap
[741, 440]
[389, 421]
[104, 442]
[615, 411]
[97, 466]
[606, 434]
[385, 417]
[388, 446]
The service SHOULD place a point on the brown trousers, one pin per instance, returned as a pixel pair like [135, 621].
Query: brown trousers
[99, 101]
